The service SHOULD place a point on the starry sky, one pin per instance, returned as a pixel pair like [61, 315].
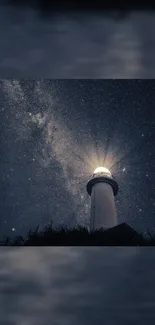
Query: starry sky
[54, 133]
[86, 285]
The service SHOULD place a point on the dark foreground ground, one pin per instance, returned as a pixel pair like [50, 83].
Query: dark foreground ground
[121, 235]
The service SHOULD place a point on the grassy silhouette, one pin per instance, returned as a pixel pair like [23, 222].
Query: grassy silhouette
[80, 236]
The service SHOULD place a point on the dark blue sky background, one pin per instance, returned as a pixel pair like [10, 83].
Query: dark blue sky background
[54, 133]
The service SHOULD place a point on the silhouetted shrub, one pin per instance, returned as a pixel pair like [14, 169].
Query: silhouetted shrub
[121, 235]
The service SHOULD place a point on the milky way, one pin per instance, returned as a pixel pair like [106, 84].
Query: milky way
[54, 133]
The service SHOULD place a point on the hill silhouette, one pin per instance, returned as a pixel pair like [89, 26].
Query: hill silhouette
[121, 235]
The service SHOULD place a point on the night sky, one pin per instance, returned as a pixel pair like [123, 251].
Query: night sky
[54, 133]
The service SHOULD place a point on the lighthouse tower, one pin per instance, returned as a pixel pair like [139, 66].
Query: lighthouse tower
[102, 187]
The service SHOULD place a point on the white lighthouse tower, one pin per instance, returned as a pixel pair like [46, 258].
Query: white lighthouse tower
[102, 187]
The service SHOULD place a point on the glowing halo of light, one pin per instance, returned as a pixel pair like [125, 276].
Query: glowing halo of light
[102, 170]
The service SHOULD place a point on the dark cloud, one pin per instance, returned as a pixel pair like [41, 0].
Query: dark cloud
[80, 285]
[76, 45]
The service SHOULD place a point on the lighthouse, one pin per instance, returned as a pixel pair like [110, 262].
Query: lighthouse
[102, 187]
